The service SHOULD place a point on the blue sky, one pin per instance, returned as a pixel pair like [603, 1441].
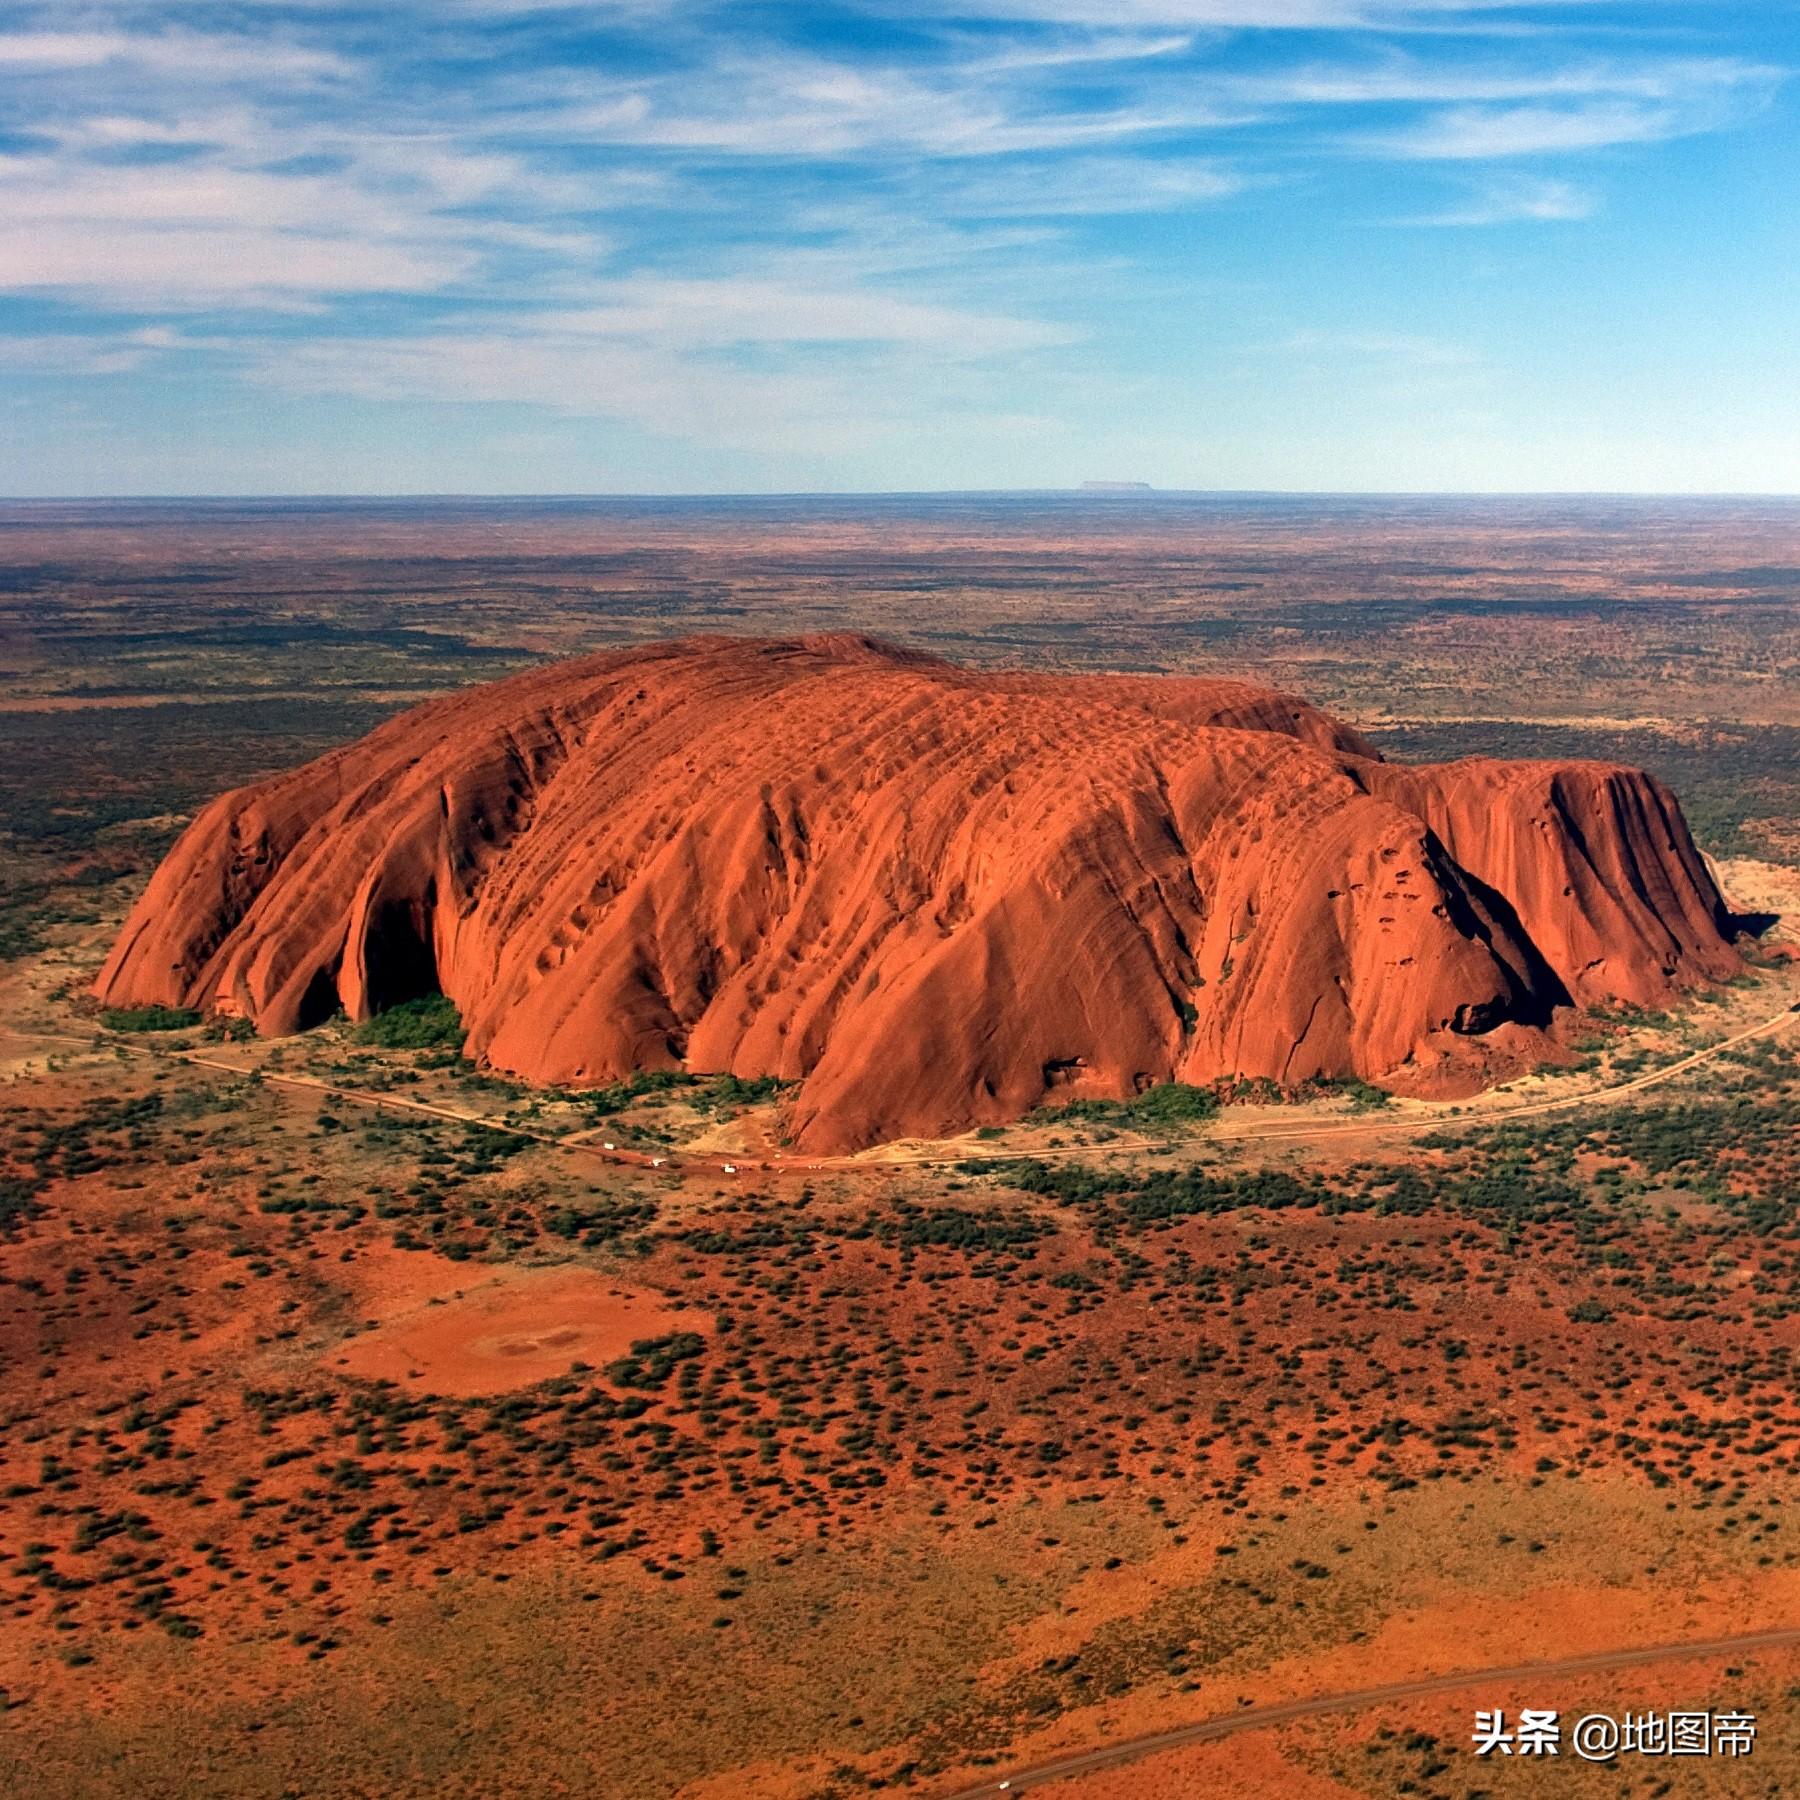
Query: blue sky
[497, 246]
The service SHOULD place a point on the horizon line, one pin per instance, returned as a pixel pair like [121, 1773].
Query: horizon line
[1104, 492]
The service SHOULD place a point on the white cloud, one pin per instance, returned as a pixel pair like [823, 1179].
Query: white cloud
[996, 104]
[192, 57]
[1063, 187]
[1264, 15]
[752, 362]
[819, 408]
[1083, 49]
[70, 353]
[769, 311]
[196, 268]
[1468, 133]
[232, 224]
[867, 244]
[790, 106]
[1522, 201]
[1401, 80]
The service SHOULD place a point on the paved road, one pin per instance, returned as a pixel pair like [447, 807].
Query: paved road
[690, 1162]
[1507, 1686]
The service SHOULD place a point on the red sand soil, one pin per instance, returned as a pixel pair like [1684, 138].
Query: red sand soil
[1269, 1764]
[1457, 1633]
[509, 1331]
[928, 895]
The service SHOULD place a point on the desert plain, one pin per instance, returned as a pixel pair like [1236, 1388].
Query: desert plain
[380, 1421]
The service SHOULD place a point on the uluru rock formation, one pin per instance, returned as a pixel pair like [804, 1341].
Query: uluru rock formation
[928, 895]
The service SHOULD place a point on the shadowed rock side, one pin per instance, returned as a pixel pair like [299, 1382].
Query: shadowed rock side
[926, 894]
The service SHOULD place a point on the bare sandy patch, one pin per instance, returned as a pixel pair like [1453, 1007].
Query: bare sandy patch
[513, 1329]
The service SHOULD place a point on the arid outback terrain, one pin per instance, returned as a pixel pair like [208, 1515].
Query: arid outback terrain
[379, 1423]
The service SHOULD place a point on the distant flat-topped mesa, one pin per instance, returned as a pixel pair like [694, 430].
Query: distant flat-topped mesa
[928, 895]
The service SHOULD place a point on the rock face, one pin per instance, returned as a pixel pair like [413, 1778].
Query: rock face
[928, 895]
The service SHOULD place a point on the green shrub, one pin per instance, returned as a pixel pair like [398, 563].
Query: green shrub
[149, 1018]
[1173, 1103]
[430, 1023]
[1168, 1103]
[634, 1087]
[652, 1360]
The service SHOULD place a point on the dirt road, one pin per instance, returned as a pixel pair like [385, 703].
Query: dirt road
[1441, 1118]
[1506, 1686]
[874, 1163]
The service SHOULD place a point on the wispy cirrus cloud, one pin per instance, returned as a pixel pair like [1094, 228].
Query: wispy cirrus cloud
[1254, 15]
[189, 56]
[831, 367]
[1519, 200]
[720, 222]
[72, 353]
[1471, 133]
[1408, 79]
[763, 310]
[213, 227]
[798, 107]
[1078, 185]
[791, 106]
[807, 406]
